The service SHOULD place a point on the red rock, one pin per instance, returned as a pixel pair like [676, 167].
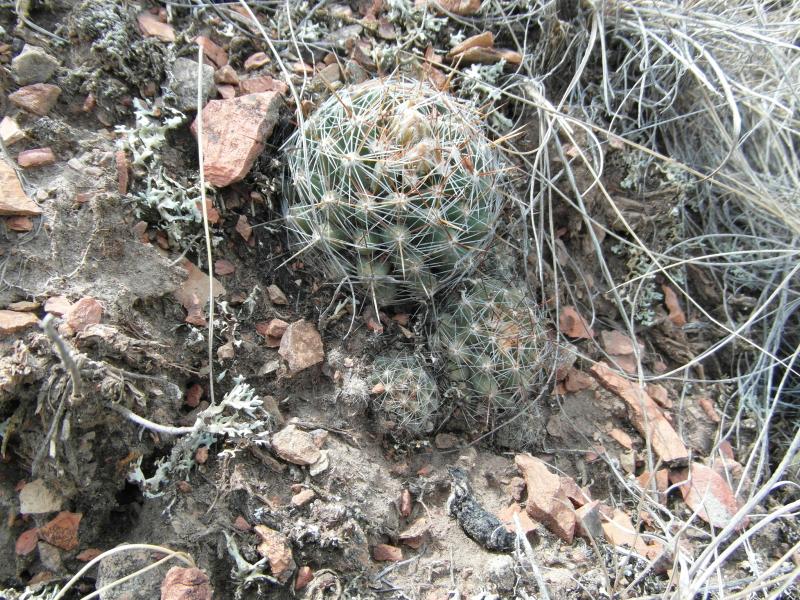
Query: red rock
[255, 61]
[13, 322]
[572, 324]
[615, 342]
[193, 395]
[122, 171]
[152, 27]
[38, 157]
[645, 416]
[621, 532]
[224, 267]
[547, 500]
[274, 328]
[39, 98]
[414, 535]
[462, 8]
[576, 381]
[20, 224]
[62, 530]
[26, 542]
[304, 576]
[506, 517]
[275, 547]
[622, 438]
[214, 52]
[193, 293]
[255, 85]
[707, 493]
[302, 498]
[24, 306]
[517, 488]
[708, 407]
[406, 503]
[57, 305]
[661, 483]
[276, 295]
[241, 524]
[573, 491]
[89, 554]
[234, 132]
[243, 228]
[201, 455]
[186, 583]
[13, 200]
[295, 446]
[86, 311]
[726, 450]
[674, 310]
[659, 393]
[226, 92]
[387, 553]
[301, 346]
[226, 75]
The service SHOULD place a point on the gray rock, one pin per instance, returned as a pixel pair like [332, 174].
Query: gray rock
[183, 83]
[501, 572]
[143, 587]
[33, 65]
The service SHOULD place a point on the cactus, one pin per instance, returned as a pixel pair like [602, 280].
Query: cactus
[405, 393]
[495, 350]
[393, 185]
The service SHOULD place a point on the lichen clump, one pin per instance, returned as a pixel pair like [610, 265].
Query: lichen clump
[496, 351]
[405, 394]
[395, 186]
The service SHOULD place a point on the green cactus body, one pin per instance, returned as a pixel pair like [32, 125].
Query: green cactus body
[408, 396]
[494, 347]
[396, 172]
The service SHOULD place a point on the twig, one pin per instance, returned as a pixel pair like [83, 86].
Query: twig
[63, 352]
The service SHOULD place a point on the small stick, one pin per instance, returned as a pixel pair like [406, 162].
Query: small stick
[63, 352]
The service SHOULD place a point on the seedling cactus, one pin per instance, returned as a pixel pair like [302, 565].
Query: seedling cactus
[405, 393]
[495, 350]
[395, 186]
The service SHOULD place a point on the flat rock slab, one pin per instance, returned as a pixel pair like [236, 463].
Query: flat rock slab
[13, 199]
[295, 446]
[234, 132]
[547, 499]
[12, 322]
[301, 346]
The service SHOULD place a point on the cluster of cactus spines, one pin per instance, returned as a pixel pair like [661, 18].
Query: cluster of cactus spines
[495, 349]
[405, 393]
[395, 185]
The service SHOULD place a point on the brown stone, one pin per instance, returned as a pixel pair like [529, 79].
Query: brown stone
[462, 8]
[622, 438]
[122, 164]
[151, 26]
[301, 346]
[255, 85]
[304, 576]
[661, 483]
[19, 224]
[481, 40]
[487, 56]
[517, 488]
[37, 157]
[88, 554]
[39, 98]
[275, 328]
[406, 503]
[241, 524]
[414, 535]
[57, 305]
[234, 132]
[225, 91]
[445, 441]
[86, 311]
[226, 75]
[572, 324]
[276, 548]
[295, 446]
[14, 322]
[621, 532]
[707, 493]
[615, 342]
[645, 415]
[186, 583]
[201, 455]
[506, 517]
[213, 51]
[26, 542]
[13, 199]
[576, 380]
[194, 291]
[224, 267]
[193, 395]
[62, 531]
[547, 500]
[303, 497]
[243, 228]
[276, 295]
[255, 61]
[387, 553]
[24, 306]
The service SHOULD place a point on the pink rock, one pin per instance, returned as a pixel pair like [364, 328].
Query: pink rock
[20, 224]
[152, 27]
[39, 98]
[38, 157]
[254, 61]
[13, 200]
[276, 548]
[572, 324]
[304, 577]
[226, 75]
[214, 52]
[275, 328]
[234, 132]
[26, 542]
[62, 530]
[186, 583]
[13, 322]
[706, 492]
[226, 92]
[615, 342]
[57, 305]
[262, 84]
[301, 346]
[295, 446]
[387, 553]
[86, 311]
[224, 267]
[547, 500]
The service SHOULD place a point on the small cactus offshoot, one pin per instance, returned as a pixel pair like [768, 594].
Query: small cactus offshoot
[495, 349]
[394, 185]
[405, 393]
